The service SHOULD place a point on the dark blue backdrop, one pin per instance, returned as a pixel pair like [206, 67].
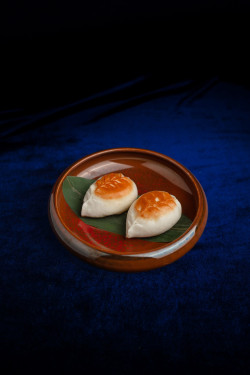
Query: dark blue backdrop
[61, 315]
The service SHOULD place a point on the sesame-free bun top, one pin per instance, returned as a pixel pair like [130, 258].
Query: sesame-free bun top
[111, 194]
[151, 214]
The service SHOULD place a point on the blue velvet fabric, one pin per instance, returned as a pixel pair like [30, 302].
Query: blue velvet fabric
[62, 315]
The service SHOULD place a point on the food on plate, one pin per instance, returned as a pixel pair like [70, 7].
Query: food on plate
[152, 213]
[111, 194]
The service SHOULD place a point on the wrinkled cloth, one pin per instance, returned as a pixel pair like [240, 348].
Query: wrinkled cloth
[59, 314]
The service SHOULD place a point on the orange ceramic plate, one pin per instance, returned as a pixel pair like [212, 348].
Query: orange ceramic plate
[150, 171]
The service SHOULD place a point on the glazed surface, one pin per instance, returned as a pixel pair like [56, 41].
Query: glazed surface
[113, 186]
[153, 204]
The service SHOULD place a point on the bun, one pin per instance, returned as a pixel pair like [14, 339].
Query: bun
[111, 194]
[151, 214]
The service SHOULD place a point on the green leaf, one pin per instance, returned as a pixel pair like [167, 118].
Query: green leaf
[74, 189]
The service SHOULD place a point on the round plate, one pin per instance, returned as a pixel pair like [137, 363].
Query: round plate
[150, 171]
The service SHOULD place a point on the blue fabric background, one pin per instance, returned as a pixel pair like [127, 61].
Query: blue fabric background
[172, 77]
[61, 315]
